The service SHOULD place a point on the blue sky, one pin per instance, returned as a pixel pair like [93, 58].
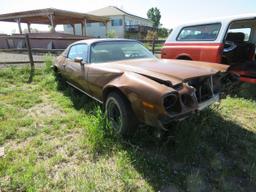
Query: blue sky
[173, 11]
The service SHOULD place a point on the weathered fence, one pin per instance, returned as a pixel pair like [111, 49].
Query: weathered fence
[153, 45]
[27, 49]
[22, 44]
[33, 45]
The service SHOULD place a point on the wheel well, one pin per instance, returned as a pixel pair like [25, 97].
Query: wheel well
[55, 68]
[109, 90]
[113, 89]
[224, 60]
[184, 57]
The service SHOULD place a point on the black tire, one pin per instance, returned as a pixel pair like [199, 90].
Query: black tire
[119, 114]
[184, 58]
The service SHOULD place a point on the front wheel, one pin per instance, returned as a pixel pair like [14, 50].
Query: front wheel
[119, 115]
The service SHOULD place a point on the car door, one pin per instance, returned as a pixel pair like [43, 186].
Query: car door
[76, 72]
[239, 51]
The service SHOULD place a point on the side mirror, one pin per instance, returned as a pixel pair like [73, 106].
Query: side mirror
[79, 60]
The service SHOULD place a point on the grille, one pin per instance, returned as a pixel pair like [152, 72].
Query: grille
[204, 88]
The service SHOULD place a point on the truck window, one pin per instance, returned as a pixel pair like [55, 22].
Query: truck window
[245, 31]
[208, 32]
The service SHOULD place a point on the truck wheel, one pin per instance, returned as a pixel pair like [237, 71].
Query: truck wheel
[184, 58]
[119, 115]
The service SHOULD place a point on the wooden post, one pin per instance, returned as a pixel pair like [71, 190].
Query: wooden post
[29, 29]
[51, 18]
[74, 28]
[19, 25]
[139, 32]
[85, 27]
[106, 28]
[82, 29]
[123, 20]
[153, 45]
[29, 51]
[32, 66]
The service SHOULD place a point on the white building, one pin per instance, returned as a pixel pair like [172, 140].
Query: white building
[122, 24]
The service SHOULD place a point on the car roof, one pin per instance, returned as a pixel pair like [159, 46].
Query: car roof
[91, 41]
[226, 19]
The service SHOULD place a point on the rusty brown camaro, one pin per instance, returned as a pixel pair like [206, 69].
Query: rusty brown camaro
[136, 87]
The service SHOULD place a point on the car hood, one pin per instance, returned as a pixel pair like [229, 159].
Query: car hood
[174, 71]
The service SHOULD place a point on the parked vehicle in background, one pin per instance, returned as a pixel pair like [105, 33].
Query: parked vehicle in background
[135, 86]
[228, 41]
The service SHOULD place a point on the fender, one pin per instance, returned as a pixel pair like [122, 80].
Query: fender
[138, 89]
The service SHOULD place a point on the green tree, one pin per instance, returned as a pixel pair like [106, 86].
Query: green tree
[155, 16]
[163, 32]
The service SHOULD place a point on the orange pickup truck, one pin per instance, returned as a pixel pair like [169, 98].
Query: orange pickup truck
[229, 40]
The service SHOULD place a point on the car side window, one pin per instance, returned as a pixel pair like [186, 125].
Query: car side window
[208, 32]
[79, 50]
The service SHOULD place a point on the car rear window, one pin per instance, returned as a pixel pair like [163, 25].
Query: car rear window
[207, 32]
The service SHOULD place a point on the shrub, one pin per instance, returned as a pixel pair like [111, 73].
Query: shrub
[151, 35]
[111, 34]
[48, 60]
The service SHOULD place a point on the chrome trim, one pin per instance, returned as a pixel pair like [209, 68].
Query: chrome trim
[84, 92]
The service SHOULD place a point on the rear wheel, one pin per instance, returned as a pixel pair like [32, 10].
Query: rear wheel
[119, 115]
[184, 58]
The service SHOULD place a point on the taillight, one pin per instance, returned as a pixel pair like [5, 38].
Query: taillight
[220, 52]
[163, 54]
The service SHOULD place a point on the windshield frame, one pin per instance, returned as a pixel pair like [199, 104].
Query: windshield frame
[118, 41]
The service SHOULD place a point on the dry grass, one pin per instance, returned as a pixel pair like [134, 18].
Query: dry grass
[55, 140]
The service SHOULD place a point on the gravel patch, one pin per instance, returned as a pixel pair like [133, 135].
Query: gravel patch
[14, 57]
[18, 57]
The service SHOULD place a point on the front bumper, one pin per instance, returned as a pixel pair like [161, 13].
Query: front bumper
[205, 104]
[166, 120]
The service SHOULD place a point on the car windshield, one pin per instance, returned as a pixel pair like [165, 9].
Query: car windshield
[118, 50]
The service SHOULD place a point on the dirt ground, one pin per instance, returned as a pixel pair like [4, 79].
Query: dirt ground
[9, 57]
[18, 57]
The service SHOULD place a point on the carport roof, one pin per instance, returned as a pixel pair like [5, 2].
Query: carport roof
[42, 16]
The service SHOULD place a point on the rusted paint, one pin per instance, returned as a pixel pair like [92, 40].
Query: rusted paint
[142, 81]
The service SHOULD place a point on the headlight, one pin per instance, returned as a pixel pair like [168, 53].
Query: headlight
[187, 100]
[171, 103]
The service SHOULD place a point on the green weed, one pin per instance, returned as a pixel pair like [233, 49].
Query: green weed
[56, 139]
